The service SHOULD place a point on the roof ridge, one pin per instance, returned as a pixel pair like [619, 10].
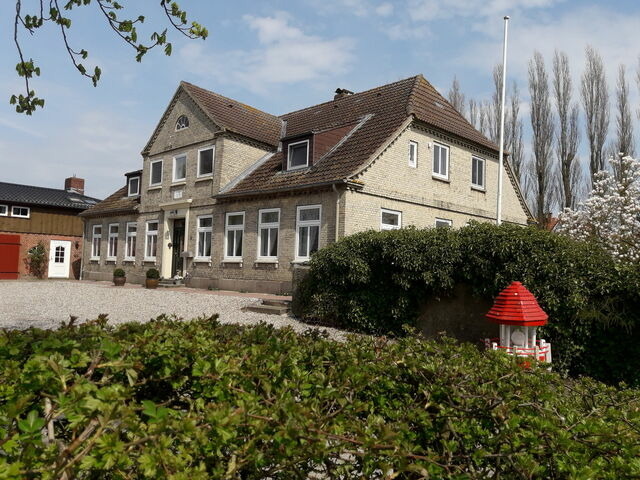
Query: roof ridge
[188, 84]
[352, 95]
[62, 190]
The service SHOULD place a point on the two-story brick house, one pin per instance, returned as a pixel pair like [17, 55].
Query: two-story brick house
[236, 197]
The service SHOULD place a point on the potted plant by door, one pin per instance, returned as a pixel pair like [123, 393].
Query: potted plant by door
[153, 278]
[119, 277]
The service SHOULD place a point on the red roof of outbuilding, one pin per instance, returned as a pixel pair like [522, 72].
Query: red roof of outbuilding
[517, 306]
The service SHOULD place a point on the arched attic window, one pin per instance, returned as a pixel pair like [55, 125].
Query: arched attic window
[183, 122]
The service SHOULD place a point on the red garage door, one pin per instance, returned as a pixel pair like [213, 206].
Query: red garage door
[9, 256]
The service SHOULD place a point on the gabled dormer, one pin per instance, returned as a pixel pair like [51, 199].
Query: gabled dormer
[134, 184]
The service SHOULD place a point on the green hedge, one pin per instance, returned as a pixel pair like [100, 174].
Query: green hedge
[375, 282]
[196, 400]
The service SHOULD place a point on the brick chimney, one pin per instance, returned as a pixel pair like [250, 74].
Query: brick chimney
[342, 92]
[74, 184]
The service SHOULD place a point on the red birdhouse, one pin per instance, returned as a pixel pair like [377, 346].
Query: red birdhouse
[517, 312]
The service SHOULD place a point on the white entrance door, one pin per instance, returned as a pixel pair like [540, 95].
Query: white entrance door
[59, 258]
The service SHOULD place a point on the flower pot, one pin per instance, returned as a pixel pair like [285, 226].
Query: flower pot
[152, 282]
[119, 281]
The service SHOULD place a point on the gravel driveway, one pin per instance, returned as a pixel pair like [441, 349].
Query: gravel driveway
[46, 303]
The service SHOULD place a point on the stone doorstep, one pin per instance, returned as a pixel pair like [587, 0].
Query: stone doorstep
[270, 307]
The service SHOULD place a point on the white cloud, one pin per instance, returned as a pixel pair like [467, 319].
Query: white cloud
[97, 145]
[570, 33]
[285, 55]
[428, 10]
[384, 9]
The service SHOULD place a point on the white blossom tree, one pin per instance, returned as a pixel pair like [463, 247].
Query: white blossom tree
[611, 214]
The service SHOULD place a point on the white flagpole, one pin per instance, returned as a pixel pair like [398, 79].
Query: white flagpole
[502, 101]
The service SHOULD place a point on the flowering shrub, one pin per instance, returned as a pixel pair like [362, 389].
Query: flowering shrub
[198, 400]
[375, 282]
[611, 214]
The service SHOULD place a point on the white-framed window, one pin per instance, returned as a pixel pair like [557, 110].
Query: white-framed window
[413, 154]
[298, 155]
[112, 247]
[151, 241]
[308, 220]
[205, 161]
[443, 222]
[130, 242]
[477, 173]
[20, 212]
[134, 186]
[4, 210]
[179, 168]
[440, 161]
[233, 234]
[155, 173]
[268, 231]
[182, 122]
[203, 243]
[96, 240]
[390, 219]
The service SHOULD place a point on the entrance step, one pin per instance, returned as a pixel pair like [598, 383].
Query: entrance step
[170, 283]
[270, 307]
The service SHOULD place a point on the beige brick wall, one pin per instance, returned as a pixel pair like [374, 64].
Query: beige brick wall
[251, 272]
[391, 183]
[236, 156]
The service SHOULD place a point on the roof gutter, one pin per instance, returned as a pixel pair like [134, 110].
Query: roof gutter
[342, 181]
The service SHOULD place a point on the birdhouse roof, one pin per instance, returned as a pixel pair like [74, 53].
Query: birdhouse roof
[516, 305]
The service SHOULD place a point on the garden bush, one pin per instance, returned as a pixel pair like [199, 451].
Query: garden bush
[198, 400]
[375, 282]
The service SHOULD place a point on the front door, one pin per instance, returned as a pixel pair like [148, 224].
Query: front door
[177, 247]
[59, 258]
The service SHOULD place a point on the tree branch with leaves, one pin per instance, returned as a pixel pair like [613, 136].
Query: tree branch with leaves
[57, 12]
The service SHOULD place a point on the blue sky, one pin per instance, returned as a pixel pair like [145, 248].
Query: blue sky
[277, 56]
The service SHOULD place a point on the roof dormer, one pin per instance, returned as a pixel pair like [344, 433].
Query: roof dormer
[133, 183]
[297, 153]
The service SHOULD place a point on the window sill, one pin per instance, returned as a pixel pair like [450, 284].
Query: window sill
[478, 189]
[178, 183]
[301, 261]
[154, 187]
[94, 259]
[267, 260]
[130, 260]
[111, 260]
[149, 260]
[204, 178]
[202, 260]
[232, 260]
[440, 179]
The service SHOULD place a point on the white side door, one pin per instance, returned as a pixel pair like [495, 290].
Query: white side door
[59, 258]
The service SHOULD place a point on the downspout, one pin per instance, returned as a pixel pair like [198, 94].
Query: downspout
[84, 234]
[335, 189]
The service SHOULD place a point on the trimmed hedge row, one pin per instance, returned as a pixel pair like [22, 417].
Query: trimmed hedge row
[197, 400]
[375, 282]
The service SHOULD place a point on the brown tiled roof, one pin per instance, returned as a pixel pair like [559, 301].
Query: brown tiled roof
[381, 111]
[116, 204]
[235, 116]
[431, 107]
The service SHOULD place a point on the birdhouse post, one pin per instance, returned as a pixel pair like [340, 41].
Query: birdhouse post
[518, 314]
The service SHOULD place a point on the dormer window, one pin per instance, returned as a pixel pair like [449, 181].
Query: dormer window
[134, 186]
[298, 155]
[182, 123]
